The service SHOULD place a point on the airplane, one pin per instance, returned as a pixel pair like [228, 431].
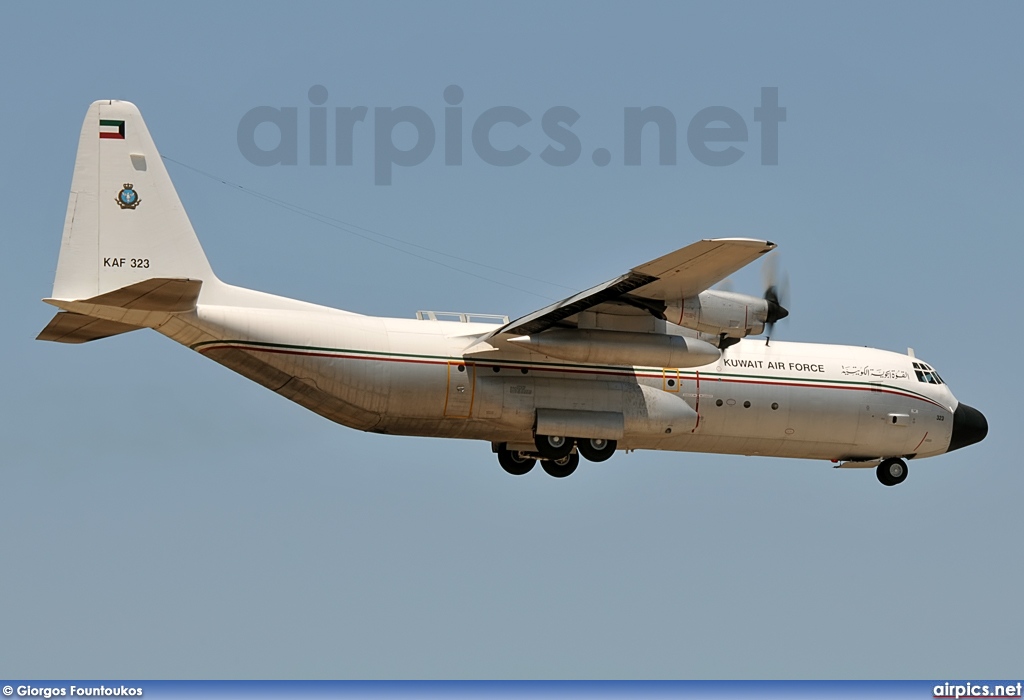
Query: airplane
[655, 359]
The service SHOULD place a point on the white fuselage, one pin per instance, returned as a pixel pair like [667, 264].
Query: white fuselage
[412, 377]
[607, 368]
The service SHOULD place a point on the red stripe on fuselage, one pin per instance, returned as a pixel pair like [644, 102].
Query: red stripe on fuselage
[697, 407]
[559, 370]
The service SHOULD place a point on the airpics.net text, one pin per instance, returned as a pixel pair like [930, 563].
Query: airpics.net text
[270, 135]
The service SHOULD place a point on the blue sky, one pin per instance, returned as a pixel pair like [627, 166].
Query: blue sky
[162, 517]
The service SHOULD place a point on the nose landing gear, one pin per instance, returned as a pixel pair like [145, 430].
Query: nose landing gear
[891, 471]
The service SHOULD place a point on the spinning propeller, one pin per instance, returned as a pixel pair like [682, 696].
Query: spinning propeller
[776, 293]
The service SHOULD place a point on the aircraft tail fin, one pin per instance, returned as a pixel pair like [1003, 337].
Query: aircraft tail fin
[124, 223]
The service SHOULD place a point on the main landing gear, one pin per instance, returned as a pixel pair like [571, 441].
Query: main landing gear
[553, 446]
[561, 468]
[559, 456]
[515, 463]
[596, 450]
[892, 471]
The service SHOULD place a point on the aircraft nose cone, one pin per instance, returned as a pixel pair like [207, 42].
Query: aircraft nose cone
[969, 427]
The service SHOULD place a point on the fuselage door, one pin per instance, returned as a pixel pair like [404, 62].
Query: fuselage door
[459, 400]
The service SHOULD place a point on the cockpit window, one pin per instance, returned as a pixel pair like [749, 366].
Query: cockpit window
[926, 374]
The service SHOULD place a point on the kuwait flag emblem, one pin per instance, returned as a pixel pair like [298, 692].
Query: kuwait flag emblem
[111, 128]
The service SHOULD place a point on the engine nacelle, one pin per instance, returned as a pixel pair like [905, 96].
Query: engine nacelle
[621, 347]
[717, 313]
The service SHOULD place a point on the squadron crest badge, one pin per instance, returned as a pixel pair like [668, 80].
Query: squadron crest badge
[128, 198]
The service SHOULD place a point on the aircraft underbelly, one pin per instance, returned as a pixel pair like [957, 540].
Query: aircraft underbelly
[313, 359]
[413, 380]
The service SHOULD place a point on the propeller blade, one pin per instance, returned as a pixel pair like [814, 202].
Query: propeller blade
[776, 292]
[770, 270]
[776, 311]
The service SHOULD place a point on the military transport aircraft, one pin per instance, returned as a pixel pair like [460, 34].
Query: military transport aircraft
[654, 359]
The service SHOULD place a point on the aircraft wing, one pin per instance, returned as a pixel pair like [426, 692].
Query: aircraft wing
[678, 275]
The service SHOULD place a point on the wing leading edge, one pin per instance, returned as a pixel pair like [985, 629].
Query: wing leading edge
[678, 275]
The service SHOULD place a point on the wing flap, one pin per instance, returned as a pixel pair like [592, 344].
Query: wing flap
[551, 315]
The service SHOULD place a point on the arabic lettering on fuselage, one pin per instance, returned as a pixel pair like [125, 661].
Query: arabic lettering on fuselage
[875, 372]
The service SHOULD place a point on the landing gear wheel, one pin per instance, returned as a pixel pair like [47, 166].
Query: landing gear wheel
[553, 446]
[892, 471]
[595, 449]
[561, 468]
[515, 463]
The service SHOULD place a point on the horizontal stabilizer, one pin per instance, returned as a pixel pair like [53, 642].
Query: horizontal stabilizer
[69, 327]
[156, 294]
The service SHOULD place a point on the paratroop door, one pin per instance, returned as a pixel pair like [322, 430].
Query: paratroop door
[459, 401]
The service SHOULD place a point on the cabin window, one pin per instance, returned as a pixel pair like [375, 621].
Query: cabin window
[926, 374]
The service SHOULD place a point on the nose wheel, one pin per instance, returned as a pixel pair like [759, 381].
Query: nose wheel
[892, 471]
